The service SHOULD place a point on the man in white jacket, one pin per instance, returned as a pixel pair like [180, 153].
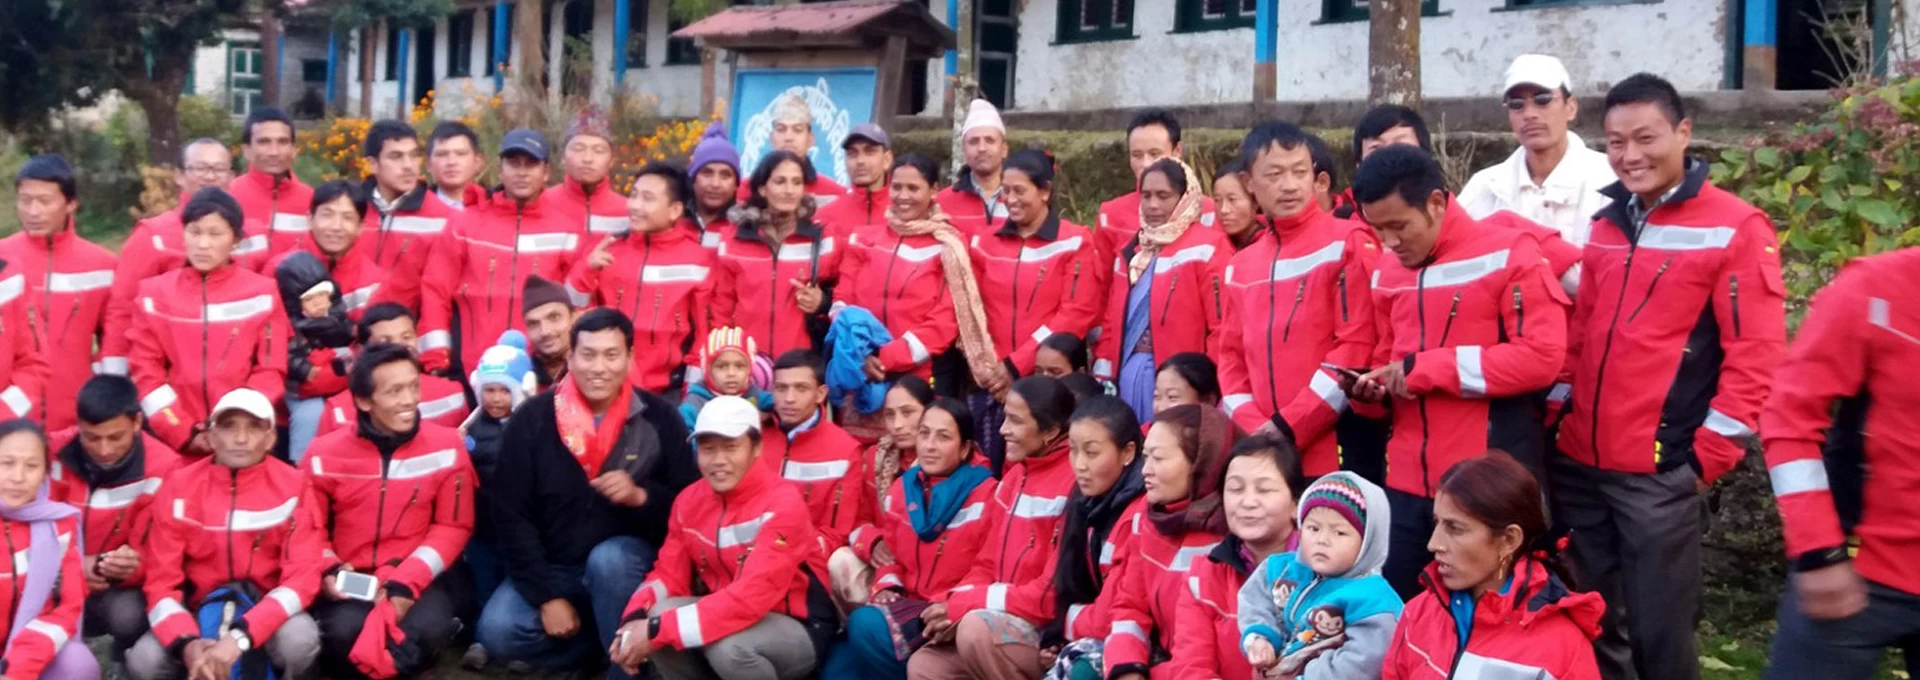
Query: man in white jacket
[1553, 178]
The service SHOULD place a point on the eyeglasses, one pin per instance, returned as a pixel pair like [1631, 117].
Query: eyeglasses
[1538, 99]
[208, 170]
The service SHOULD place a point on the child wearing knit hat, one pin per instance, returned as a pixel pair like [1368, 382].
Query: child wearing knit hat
[1324, 610]
[730, 364]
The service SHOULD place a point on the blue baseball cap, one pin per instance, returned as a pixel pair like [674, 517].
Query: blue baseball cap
[524, 140]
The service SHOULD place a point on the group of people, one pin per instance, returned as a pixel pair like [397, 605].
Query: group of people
[927, 429]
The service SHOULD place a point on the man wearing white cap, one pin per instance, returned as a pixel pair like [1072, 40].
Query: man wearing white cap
[744, 538]
[793, 131]
[973, 202]
[1553, 178]
[223, 545]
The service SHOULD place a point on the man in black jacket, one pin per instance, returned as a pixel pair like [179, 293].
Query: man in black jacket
[582, 502]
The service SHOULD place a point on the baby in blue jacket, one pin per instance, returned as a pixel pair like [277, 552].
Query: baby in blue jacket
[1324, 612]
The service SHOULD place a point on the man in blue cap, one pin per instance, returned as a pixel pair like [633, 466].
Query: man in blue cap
[477, 275]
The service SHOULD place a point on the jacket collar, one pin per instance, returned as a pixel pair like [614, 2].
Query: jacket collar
[749, 230]
[408, 202]
[264, 180]
[130, 468]
[803, 428]
[500, 201]
[216, 277]
[1455, 228]
[1287, 227]
[681, 230]
[574, 188]
[1620, 211]
[386, 442]
[1049, 228]
[1054, 456]
[1532, 592]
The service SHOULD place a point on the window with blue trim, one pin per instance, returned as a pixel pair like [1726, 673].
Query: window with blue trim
[1094, 20]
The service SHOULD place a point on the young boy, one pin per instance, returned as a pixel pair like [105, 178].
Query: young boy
[505, 378]
[1324, 610]
[731, 365]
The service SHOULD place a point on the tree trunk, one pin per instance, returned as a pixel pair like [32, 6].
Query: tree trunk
[1393, 52]
[367, 56]
[961, 91]
[158, 94]
[530, 73]
[270, 59]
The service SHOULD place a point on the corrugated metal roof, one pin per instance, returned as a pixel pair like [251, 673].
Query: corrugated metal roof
[821, 19]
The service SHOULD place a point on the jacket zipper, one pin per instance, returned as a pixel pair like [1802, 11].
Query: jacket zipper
[1342, 283]
[720, 525]
[1273, 393]
[1073, 290]
[1219, 313]
[206, 398]
[1733, 292]
[653, 323]
[1453, 310]
[1461, 651]
[1005, 535]
[1166, 306]
[513, 271]
[1013, 293]
[233, 505]
[380, 509]
[458, 482]
[886, 287]
[1299, 295]
[13, 570]
[1650, 288]
[1519, 314]
[1600, 372]
[640, 282]
[1035, 295]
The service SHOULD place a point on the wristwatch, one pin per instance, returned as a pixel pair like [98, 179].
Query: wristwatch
[241, 640]
[1821, 558]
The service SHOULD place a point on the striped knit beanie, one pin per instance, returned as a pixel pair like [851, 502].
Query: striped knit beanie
[1339, 495]
[734, 338]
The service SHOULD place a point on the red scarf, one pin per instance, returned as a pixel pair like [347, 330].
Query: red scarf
[589, 444]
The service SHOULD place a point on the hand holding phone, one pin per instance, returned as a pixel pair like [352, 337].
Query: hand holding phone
[357, 586]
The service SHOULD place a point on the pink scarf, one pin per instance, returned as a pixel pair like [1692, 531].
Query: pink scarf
[1153, 237]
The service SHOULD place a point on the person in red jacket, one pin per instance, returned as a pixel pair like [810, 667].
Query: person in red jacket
[813, 453]
[67, 282]
[935, 514]
[1167, 294]
[111, 470]
[714, 172]
[740, 536]
[443, 402]
[1038, 275]
[454, 161]
[1185, 450]
[44, 590]
[1235, 211]
[973, 201]
[391, 498]
[1494, 603]
[1258, 498]
[869, 164]
[899, 273]
[228, 523]
[586, 198]
[777, 266]
[404, 223]
[1152, 136]
[1841, 610]
[1097, 536]
[657, 275]
[1380, 127]
[989, 626]
[268, 192]
[1472, 328]
[475, 274]
[1295, 301]
[158, 245]
[205, 329]
[1680, 322]
[23, 371]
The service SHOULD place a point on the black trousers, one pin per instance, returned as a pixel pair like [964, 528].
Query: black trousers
[1407, 554]
[432, 623]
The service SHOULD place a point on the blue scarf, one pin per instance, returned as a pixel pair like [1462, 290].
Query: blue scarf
[930, 518]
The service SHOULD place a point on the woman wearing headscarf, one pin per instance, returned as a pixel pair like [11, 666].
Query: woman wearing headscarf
[46, 597]
[1102, 518]
[934, 521]
[1165, 297]
[994, 616]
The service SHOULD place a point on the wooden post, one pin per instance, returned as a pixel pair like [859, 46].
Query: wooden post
[961, 85]
[709, 65]
[1266, 74]
[1393, 52]
[270, 54]
[886, 96]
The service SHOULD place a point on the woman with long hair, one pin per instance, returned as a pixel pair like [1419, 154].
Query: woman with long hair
[934, 522]
[1102, 519]
[1165, 297]
[1495, 592]
[995, 615]
[776, 267]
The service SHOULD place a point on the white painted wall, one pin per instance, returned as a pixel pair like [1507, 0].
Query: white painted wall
[1464, 53]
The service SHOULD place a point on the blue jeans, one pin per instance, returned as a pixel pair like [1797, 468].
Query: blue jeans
[867, 651]
[489, 571]
[303, 423]
[510, 626]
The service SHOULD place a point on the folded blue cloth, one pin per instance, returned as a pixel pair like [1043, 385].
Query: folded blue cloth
[855, 335]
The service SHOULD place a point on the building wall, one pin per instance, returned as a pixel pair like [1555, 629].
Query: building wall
[1464, 52]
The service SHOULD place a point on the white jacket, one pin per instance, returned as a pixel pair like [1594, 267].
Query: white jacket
[1567, 201]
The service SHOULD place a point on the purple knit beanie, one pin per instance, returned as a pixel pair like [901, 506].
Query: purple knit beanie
[714, 148]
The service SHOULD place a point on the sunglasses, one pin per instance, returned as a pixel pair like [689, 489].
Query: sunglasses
[1538, 98]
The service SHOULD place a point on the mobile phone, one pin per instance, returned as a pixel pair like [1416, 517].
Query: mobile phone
[358, 586]
[1342, 370]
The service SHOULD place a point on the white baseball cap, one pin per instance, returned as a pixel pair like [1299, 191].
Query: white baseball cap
[246, 401]
[727, 416]
[1539, 70]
